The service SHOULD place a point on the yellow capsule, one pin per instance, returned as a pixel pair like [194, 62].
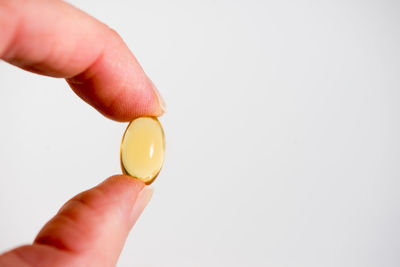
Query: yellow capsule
[142, 149]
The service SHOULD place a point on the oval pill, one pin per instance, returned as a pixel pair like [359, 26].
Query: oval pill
[142, 149]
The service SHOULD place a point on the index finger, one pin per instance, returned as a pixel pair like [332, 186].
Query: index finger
[54, 38]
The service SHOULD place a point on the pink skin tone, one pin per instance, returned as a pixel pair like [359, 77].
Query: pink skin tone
[53, 38]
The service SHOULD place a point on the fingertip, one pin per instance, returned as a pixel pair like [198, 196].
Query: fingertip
[100, 217]
[116, 85]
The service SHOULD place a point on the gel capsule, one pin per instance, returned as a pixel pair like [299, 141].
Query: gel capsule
[142, 149]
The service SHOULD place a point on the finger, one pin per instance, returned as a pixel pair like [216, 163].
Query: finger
[55, 39]
[90, 229]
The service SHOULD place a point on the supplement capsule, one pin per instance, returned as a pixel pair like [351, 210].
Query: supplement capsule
[142, 149]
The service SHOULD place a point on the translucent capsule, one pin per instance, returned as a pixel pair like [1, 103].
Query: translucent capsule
[142, 149]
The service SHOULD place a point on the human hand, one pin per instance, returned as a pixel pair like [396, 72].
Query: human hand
[53, 38]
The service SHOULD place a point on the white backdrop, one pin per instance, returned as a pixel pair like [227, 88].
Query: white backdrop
[283, 131]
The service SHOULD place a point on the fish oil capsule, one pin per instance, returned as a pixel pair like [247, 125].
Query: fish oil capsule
[142, 149]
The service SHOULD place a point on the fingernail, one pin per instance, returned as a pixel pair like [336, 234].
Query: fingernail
[141, 202]
[160, 99]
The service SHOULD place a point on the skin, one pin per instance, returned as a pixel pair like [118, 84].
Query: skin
[53, 38]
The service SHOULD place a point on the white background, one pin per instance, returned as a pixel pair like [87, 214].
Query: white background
[283, 131]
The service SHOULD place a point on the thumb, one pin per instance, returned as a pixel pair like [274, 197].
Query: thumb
[89, 230]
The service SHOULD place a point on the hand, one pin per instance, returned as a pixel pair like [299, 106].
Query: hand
[53, 38]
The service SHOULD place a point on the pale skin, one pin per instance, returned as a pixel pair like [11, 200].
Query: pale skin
[53, 38]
